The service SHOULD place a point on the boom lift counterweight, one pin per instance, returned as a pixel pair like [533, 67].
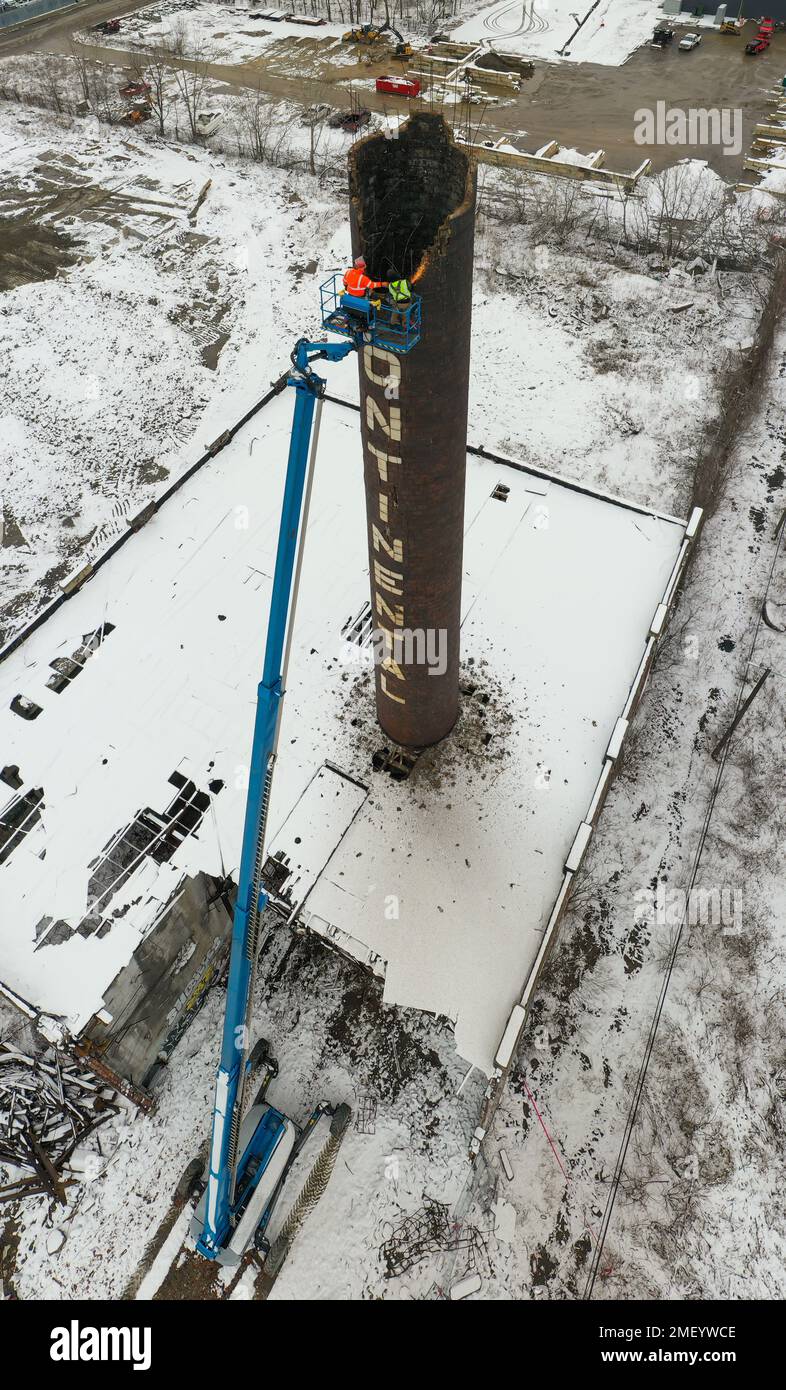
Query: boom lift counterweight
[252, 1155]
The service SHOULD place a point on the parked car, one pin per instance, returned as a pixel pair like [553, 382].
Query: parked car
[350, 120]
[757, 45]
[319, 112]
[207, 122]
[135, 89]
[690, 41]
[109, 26]
[399, 86]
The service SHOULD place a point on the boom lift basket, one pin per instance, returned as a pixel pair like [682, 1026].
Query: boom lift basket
[388, 325]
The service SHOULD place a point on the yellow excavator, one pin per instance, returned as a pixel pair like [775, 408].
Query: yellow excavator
[136, 114]
[371, 33]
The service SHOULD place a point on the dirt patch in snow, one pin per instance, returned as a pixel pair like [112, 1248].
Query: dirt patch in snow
[31, 250]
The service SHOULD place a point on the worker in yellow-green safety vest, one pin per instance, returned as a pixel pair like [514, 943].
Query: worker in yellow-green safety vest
[400, 295]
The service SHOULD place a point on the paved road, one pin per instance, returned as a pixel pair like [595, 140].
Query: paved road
[581, 106]
[41, 33]
[592, 106]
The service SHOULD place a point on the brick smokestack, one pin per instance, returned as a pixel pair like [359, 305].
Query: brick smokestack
[412, 208]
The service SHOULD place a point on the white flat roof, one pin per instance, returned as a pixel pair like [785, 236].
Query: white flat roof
[443, 882]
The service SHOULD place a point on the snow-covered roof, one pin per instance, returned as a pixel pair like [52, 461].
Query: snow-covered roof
[443, 882]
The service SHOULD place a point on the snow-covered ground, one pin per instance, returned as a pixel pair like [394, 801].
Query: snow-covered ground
[545, 29]
[341, 1045]
[696, 1215]
[166, 329]
[116, 376]
[613, 29]
[604, 370]
[226, 34]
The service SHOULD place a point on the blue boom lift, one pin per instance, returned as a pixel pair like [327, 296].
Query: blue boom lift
[253, 1155]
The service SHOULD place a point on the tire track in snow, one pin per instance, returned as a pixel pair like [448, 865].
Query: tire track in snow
[532, 23]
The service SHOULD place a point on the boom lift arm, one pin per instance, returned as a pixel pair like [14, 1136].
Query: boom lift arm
[248, 1166]
[251, 897]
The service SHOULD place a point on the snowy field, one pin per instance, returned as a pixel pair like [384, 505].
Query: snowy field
[161, 328]
[532, 28]
[140, 354]
[229, 35]
[697, 1215]
[545, 29]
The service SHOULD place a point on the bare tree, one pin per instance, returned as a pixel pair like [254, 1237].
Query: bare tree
[159, 74]
[52, 83]
[254, 123]
[316, 127]
[83, 66]
[103, 93]
[679, 211]
[191, 60]
[96, 85]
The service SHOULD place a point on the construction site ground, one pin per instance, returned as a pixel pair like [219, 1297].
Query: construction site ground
[582, 106]
[617, 367]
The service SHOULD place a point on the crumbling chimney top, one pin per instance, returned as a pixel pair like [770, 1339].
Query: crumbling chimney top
[405, 190]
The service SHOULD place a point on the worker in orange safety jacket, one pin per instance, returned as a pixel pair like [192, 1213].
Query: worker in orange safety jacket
[357, 282]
